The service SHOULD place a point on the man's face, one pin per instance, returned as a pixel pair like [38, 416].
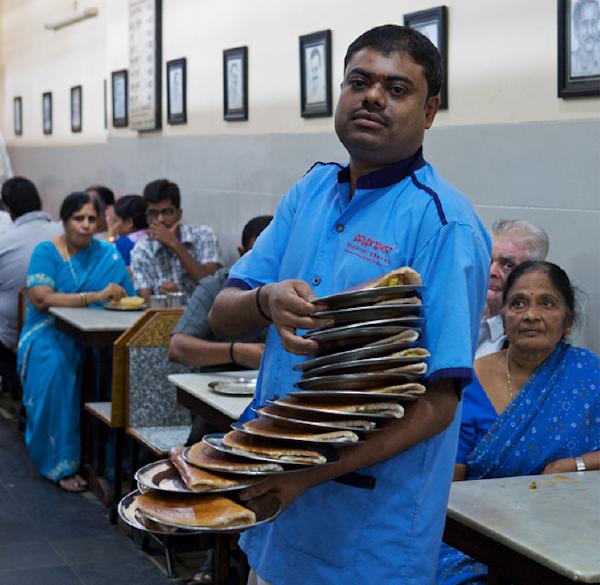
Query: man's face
[315, 68]
[507, 253]
[383, 109]
[163, 212]
[587, 26]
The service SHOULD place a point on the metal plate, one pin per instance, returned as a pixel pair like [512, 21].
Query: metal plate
[366, 365]
[363, 352]
[281, 415]
[397, 324]
[238, 472]
[216, 442]
[369, 313]
[163, 476]
[369, 296]
[110, 307]
[328, 394]
[269, 510]
[360, 381]
[234, 387]
[307, 407]
[312, 444]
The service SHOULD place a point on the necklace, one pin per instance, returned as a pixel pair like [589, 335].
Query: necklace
[509, 387]
[68, 255]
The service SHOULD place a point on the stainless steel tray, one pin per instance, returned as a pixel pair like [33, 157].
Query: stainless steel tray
[369, 296]
[355, 329]
[283, 468]
[366, 365]
[236, 386]
[360, 381]
[216, 442]
[345, 394]
[110, 307]
[308, 407]
[297, 441]
[369, 313]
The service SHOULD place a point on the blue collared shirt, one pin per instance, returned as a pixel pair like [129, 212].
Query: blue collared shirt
[403, 214]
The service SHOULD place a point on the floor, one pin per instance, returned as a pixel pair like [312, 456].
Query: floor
[49, 537]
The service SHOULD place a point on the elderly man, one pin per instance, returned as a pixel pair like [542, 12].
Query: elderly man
[514, 241]
[585, 60]
[31, 226]
[337, 227]
[174, 256]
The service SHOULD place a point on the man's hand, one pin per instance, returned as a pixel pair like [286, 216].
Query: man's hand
[285, 487]
[168, 286]
[166, 236]
[289, 304]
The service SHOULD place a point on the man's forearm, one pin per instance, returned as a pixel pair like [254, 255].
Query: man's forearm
[194, 269]
[192, 351]
[234, 314]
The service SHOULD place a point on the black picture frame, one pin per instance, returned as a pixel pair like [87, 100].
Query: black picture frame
[577, 75]
[235, 84]
[120, 98]
[177, 91]
[76, 108]
[47, 112]
[315, 74]
[18, 115]
[433, 23]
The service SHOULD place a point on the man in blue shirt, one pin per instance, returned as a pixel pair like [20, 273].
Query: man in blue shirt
[335, 228]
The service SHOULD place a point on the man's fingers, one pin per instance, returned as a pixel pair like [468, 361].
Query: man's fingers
[256, 490]
[295, 344]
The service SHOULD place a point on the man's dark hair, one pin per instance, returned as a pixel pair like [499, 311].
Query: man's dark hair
[75, 201]
[20, 196]
[160, 190]
[132, 207]
[106, 195]
[392, 38]
[254, 228]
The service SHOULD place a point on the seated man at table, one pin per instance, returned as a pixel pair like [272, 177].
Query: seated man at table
[175, 256]
[513, 242]
[22, 201]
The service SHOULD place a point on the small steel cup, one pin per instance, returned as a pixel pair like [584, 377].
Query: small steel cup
[175, 299]
[159, 301]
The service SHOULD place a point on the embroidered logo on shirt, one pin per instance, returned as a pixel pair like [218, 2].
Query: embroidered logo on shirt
[370, 250]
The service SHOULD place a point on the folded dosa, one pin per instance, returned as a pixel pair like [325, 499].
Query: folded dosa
[241, 444]
[198, 480]
[384, 408]
[204, 456]
[266, 428]
[194, 511]
[414, 369]
[358, 424]
[413, 388]
[403, 275]
[400, 301]
[411, 352]
[407, 336]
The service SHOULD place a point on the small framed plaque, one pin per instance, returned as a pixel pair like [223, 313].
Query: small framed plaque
[18, 115]
[76, 97]
[47, 112]
[119, 98]
[176, 91]
[235, 84]
[315, 74]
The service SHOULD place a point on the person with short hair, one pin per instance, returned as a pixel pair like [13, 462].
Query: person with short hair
[514, 241]
[585, 60]
[71, 270]
[130, 224]
[31, 226]
[106, 197]
[174, 256]
[337, 227]
[533, 407]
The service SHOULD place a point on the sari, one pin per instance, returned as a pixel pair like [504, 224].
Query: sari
[555, 415]
[48, 360]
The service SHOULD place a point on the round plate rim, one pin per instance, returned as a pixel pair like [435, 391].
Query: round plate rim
[375, 416]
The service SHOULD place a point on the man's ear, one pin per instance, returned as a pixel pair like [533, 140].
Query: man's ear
[431, 108]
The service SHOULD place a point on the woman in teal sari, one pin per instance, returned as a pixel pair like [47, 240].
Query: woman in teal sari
[73, 270]
[534, 407]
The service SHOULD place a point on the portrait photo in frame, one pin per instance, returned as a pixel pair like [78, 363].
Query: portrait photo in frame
[433, 23]
[120, 93]
[315, 74]
[578, 48]
[18, 115]
[176, 91]
[47, 112]
[235, 84]
[76, 108]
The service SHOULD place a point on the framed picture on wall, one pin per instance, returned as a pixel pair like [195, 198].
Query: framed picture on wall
[47, 112]
[433, 23]
[315, 74]
[18, 115]
[120, 92]
[76, 108]
[176, 91]
[235, 84]
[578, 48]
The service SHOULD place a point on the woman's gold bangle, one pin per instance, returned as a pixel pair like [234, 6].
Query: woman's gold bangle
[83, 297]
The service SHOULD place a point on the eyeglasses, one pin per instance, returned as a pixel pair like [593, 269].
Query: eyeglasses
[165, 212]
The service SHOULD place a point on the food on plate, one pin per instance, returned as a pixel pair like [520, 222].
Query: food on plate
[128, 303]
[414, 369]
[270, 429]
[241, 444]
[400, 301]
[384, 408]
[403, 275]
[305, 417]
[411, 352]
[199, 480]
[194, 510]
[204, 456]
[413, 388]
[407, 336]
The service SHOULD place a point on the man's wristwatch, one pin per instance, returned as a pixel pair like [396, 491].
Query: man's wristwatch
[580, 463]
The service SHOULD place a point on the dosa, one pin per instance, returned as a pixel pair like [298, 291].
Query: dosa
[269, 429]
[206, 457]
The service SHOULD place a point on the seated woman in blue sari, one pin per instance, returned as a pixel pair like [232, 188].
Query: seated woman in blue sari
[73, 270]
[534, 407]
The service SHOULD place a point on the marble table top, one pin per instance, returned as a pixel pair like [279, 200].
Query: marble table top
[197, 385]
[96, 320]
[552, 519]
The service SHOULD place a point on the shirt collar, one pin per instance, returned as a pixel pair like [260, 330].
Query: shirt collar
[387, 175]
[496, 327]
[32, 216]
